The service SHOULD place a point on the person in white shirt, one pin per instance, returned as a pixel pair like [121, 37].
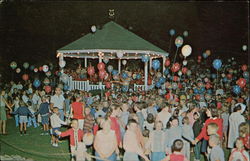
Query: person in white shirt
[56, 124]
[164, 116]
[58, 101]
[25, 98]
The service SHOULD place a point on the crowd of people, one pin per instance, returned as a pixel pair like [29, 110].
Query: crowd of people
[202, 115]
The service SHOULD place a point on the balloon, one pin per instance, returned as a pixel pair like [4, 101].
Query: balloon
[108, 85]
[244, 47]
[124, 88]
[185, 33]
[18, 70]
[13, 65]
[102, 74]
[175, 78]
[189, 72]
[25, 77]
[225, 80]
[114, 72]
[171, 32]
[64, 78]
[45, 68]
[196, 91]
[124, 75]
[241, 82]
[35, 70]
[236, 89]
[223, 75]
[246, 75]
[208, 52]
[105, 60]
[166, 72]
[217, 64]
[101, 66]
[110, 68]
[174, 85]
[158, 74]
[119, 54]
[48, 74]
[62, 64]
[178, 41]
[91, 70]
[167, 62]
[186, 50]
[124, 62]
[158, 84]
[199, 57]
[138, 76]
[93, 28]
[179, 73]
[184, 70]
[47, 89]
[175, 67]
[26, 65]
[162, 80]
[244, 67]
[36, 83]
[184, 62]
[156, 64]
[199, 60]
[46, 81]
[204, 55]
[206, 80]
[145, 58]
[213, 76]
[66, 87]
[32, 67]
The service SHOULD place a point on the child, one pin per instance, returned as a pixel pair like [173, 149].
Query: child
[31, 119]
[77, 147]
[176, 152]
[156, 142]
[131, 145]
[217, 153]
[44, 112]
[89, 121]
[239, 153]
[23, 113]
[56, 123]
[16, 105]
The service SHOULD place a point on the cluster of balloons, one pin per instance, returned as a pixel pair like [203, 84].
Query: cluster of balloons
[156, 64]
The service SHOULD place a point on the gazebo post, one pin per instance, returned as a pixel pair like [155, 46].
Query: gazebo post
[150, 63]
[85, 62]
[146, 75]
[100, 59]
[61, 60]
[163, 65]
[119, 66]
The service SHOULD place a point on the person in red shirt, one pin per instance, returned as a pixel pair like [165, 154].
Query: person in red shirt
[212, 114]
[77, 109]
[176, 155]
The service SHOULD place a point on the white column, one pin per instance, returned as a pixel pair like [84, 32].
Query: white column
[163, 65]
[146, 75]
[85, 62]
[61, 60]
[150, 63]
[119, 66]
[100, 59]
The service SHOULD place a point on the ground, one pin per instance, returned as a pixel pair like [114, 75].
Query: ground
[37, 147]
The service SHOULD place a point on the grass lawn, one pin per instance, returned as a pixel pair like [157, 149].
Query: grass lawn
[38, 147]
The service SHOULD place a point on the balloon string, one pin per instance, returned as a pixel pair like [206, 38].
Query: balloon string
[169, 47]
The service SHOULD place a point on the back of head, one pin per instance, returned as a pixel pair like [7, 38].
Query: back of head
[215, 139]
[237, 108]
[177, 145]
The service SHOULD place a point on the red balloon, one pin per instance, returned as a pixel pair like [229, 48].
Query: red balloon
[25, 77]
[102, 74]
[47, 89]
[241, 82]
[184, 70]
[101, 66]
[197, 97]
[108, 85]
[167, 62]
[229, 76]
[175, 67]
[91, 70]
[199, 57]
[107, 94]
[208, 85]
[244, 67]
[175, 78]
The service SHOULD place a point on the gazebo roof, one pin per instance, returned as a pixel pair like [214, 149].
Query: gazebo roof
[111, 39]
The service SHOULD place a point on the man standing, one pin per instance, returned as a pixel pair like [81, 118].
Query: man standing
[58, 101]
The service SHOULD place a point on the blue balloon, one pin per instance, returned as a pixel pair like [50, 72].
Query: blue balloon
[166, 72]
[202, 90]
[32, 67]
[156, 64]
[145, 58]
[162, 80]
[213, 76]
[209, 91]
[59, 74]
[114, 72]
[138, 76]
[217, 64]
[124, 75]
[66, 87]
[225, 79]
[204, 55]
[196, 91]
[124, 88]
[36, 83]
[236, 89]
[246, 75]
[158, 84]
[178, 41]
[171, 32]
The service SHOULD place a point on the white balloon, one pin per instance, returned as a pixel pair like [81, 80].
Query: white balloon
[110, 68]
[244, 47]
[124, 62]
[184, 62]
[45, 68]
[62, 63]
[179, 73]
[119, 54]
[18, 70]
[186, 50]
[93, 28]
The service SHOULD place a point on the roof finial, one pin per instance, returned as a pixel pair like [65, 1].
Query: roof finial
[111, 13]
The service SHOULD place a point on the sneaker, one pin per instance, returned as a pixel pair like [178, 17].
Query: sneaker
[46, 133]
[56, 145]
[53, 144]
[42, 134]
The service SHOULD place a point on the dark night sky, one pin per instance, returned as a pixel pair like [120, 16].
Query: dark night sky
[34, 31]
